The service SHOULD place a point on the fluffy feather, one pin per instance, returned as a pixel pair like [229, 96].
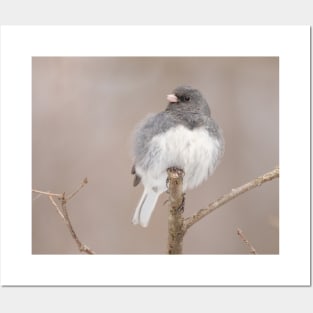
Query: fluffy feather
[183, 136]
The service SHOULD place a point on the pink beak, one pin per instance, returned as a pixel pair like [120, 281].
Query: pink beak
[172, 98]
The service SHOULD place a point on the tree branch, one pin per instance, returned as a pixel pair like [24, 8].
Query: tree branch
[189, 221]
[176, 230]
[77, 190]
[245, 241]
[47, 193]
[81, 246]
[62, 211]
[56, 206]
[177, 225]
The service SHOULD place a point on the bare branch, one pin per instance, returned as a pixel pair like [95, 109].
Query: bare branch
[189, 221]
[82, 184]
[246, 241]
[176, 208]
[62, 211]
[178, 226]
[81, 246]
[59, 195]
[38, 195]
[56, 206]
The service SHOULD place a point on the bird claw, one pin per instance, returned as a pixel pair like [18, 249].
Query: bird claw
[180, 209]
[176, 170]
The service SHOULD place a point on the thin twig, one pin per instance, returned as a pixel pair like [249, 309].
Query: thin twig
[82, 184]
[189, 221]
[56, 206]
[59, 195]
[246, 241]
[38, 195]
[81, 246]
[62, 211]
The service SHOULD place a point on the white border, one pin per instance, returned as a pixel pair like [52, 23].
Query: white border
[290, 43]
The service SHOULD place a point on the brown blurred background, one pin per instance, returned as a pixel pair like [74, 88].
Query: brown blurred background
[84, 112]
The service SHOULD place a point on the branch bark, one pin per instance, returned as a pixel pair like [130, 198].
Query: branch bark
[176, 230]
[189, 221]
[178, 225]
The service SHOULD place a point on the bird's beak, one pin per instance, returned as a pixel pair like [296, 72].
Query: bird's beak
[172, 98]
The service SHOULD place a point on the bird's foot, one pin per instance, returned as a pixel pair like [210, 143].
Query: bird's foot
[180, 209]
[176, 171]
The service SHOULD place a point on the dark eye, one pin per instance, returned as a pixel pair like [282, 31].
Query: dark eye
[186, 98]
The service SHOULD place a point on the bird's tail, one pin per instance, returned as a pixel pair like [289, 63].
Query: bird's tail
[145, 208]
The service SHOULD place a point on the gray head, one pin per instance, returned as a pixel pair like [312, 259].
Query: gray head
[188, 104]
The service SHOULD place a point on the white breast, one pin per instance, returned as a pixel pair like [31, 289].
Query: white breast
[194, 151]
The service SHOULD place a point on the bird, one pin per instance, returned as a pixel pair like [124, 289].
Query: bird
[183, 136]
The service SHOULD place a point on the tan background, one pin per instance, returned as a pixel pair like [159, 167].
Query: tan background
[84, 112]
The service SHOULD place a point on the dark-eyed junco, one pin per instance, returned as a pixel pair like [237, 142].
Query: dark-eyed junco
[183, 136]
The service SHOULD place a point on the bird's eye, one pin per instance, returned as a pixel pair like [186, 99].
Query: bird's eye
[186, 98]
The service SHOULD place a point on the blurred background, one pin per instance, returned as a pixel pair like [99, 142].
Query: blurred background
[83, 116]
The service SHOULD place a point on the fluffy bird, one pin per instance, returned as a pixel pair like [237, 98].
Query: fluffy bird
[183, 136]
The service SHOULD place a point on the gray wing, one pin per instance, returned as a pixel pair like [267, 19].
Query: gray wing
[151, 126]
[216, 132]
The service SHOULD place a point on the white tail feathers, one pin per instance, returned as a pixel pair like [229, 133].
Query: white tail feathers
[145, 208]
